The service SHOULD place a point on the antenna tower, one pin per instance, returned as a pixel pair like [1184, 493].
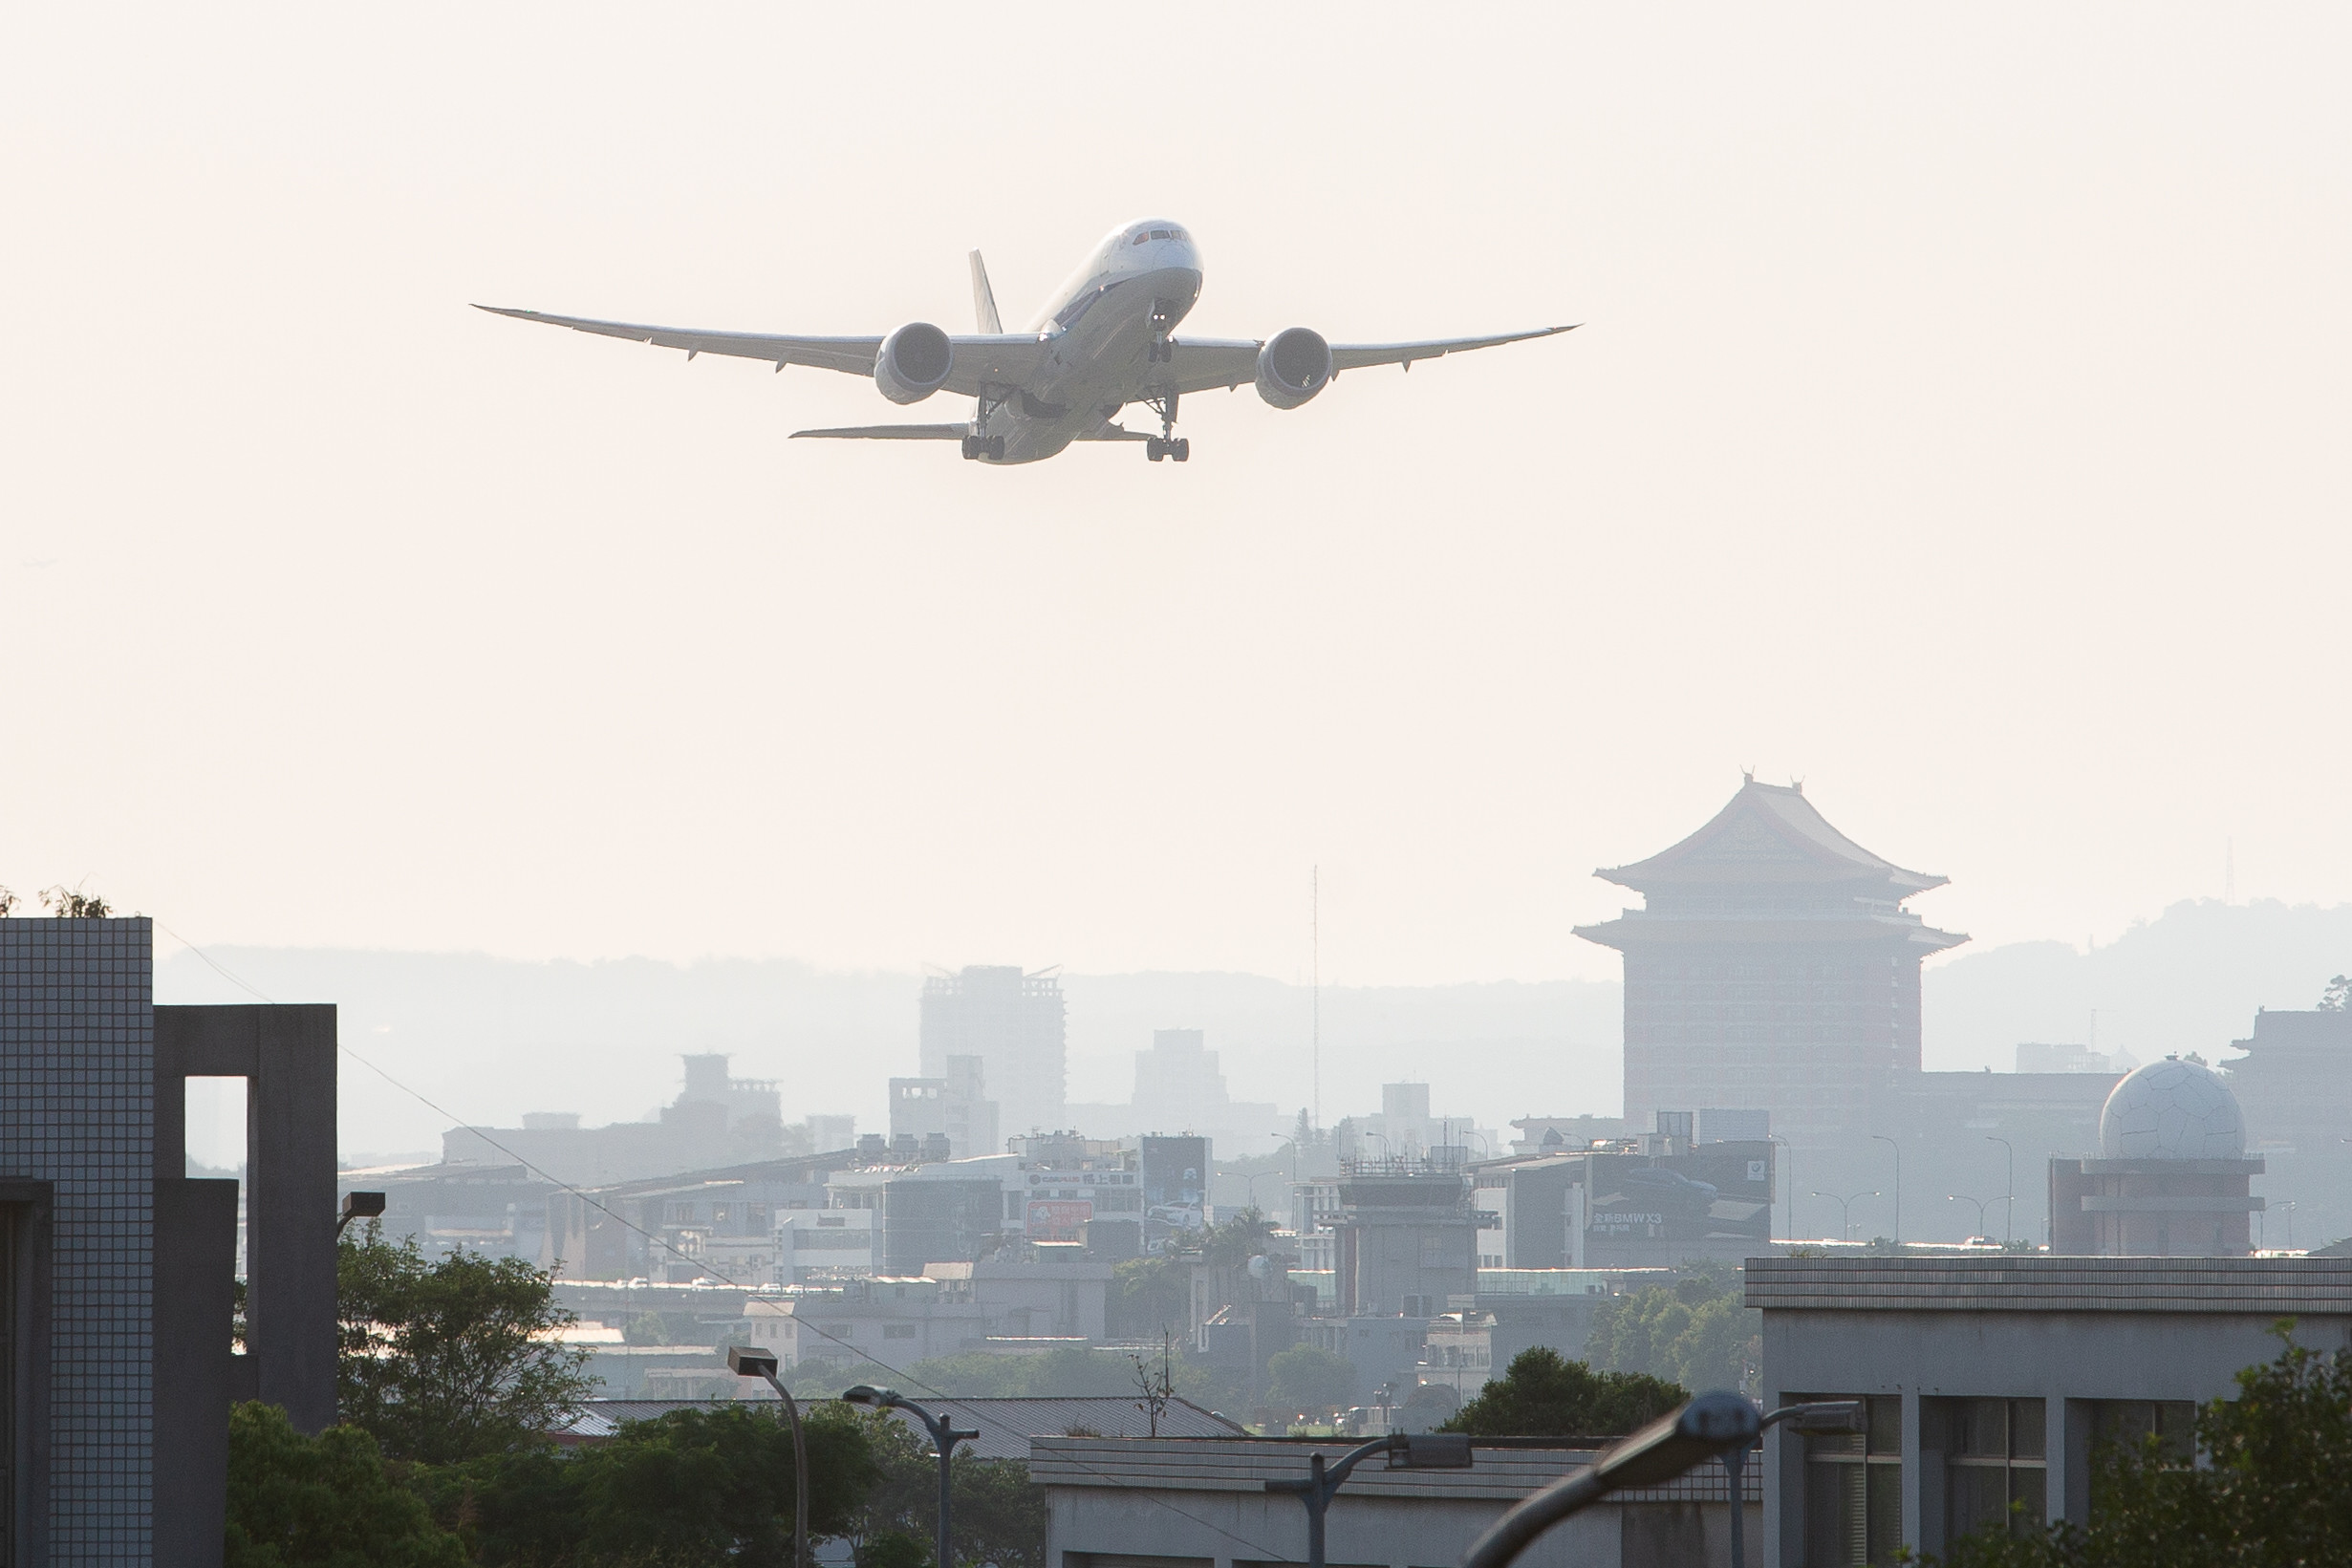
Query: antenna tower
[1314, 961]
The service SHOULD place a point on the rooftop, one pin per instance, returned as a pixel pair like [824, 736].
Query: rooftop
[2268, 1287]
[1767, 835]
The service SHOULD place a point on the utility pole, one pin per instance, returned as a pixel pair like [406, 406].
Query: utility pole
[1314, 960]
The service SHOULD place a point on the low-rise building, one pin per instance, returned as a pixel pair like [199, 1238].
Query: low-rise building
[1990, 1380]
[890, 1321]
[821, 1246]
[1204, 1503]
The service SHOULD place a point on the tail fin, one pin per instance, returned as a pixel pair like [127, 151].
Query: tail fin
[984, 297]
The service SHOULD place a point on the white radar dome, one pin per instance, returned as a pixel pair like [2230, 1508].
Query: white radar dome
[2172, 1110]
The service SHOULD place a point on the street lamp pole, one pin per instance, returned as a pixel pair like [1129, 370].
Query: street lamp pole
[1980, 1203]
[944, 1434]
[1840, 1415]
[2009, 1203]
[1881, 1137]
[1846, 1219]
[1775, 1137]
[1405, 1450]
[747, 1363]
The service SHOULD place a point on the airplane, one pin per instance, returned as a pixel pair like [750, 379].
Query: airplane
[1106, 340]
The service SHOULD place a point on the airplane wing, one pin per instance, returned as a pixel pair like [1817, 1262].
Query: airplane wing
[891, 432]
[980, 360]
[1202, 364]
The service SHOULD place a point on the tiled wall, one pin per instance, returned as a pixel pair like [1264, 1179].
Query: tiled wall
[77, 1109]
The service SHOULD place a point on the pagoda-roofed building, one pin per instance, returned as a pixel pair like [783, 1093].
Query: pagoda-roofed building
[1772, 966]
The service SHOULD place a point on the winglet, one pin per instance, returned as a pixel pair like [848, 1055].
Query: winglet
[983, 298]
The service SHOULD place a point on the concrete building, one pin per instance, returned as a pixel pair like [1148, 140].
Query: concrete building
[890, 1321]
[2172, 1179]
[1179, 1086]
[718, 1224]
[824, 1246]
[715, 1120]
[1988, 1380]
[1032, 1293]
[1137, 1503]
[1772, 965]
[1406, 1236]
[2294, 1084]
[1017, 1024]
[116, 1370]
[955, 1109]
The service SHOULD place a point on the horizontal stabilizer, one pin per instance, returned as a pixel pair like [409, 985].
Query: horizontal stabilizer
[891, 433]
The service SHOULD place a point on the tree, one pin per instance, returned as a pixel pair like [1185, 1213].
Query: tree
[999, 1517]
[1545, 1394]
[1305, 1380]
[2272, 1490]
[1698, 1333]
[74, 904]
[2331, 1000]
[448, 1361]
[690, 1485]
[296, 1501]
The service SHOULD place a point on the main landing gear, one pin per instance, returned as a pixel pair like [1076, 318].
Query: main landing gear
[1167, 444]
[991, 447]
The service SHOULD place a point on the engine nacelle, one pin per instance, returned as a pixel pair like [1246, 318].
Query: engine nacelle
[914, 363]
[1294, 365]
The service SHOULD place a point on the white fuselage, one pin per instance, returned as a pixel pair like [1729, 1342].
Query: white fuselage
[1101, 326]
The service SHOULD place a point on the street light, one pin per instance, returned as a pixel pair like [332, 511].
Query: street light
[1251, 1183]
[1405, 1450]
[1963, 1197]
[359, 1206]
[1707, 1427]
[944, 1434]
[747, 1363]
[1846, 1223]
[1832, 1415]
[1881, 1137]
[2009, 1203]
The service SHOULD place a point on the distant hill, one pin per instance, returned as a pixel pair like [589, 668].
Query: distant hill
[493, 1037]
[2187, 981]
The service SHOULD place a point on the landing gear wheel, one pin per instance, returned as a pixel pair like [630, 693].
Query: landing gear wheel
[1154, 448]
[971, 447]
[1182, 450]
[996, 449]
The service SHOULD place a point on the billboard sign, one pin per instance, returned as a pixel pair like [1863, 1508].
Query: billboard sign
[1175, 1181]
[1058, 1220]
[1718, 1193]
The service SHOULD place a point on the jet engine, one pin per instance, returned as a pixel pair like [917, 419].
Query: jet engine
[913, 363]
[1294, 365]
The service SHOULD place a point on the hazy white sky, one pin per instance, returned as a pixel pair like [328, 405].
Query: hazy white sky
[1959, 424]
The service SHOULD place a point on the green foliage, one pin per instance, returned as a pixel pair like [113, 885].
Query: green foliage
[647, 1328]
[321, 1502]
[1065, 1374]
[1696, 1333]
[999, 1517]
[74, 904]
[2273, 1489]
[688, 1487]
[442, 1362]
[1545, 1394]
[2338, 993]
[1305, 1380]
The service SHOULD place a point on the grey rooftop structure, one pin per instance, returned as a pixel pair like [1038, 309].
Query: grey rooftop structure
[1990, 1381]
[1144, 1504]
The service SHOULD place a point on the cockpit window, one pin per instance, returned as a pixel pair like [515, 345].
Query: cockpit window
[1141, 235]
[1161, 234]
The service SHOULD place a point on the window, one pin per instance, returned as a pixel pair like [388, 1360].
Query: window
[1993, 1462]
[1853, 1488]
[2130, 1422]
[1141, 235]
[1160, 234]
[897, 1331]
[678, 1214]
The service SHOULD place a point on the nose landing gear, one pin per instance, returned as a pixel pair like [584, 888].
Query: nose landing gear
[991, 447]
[1167, 444]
